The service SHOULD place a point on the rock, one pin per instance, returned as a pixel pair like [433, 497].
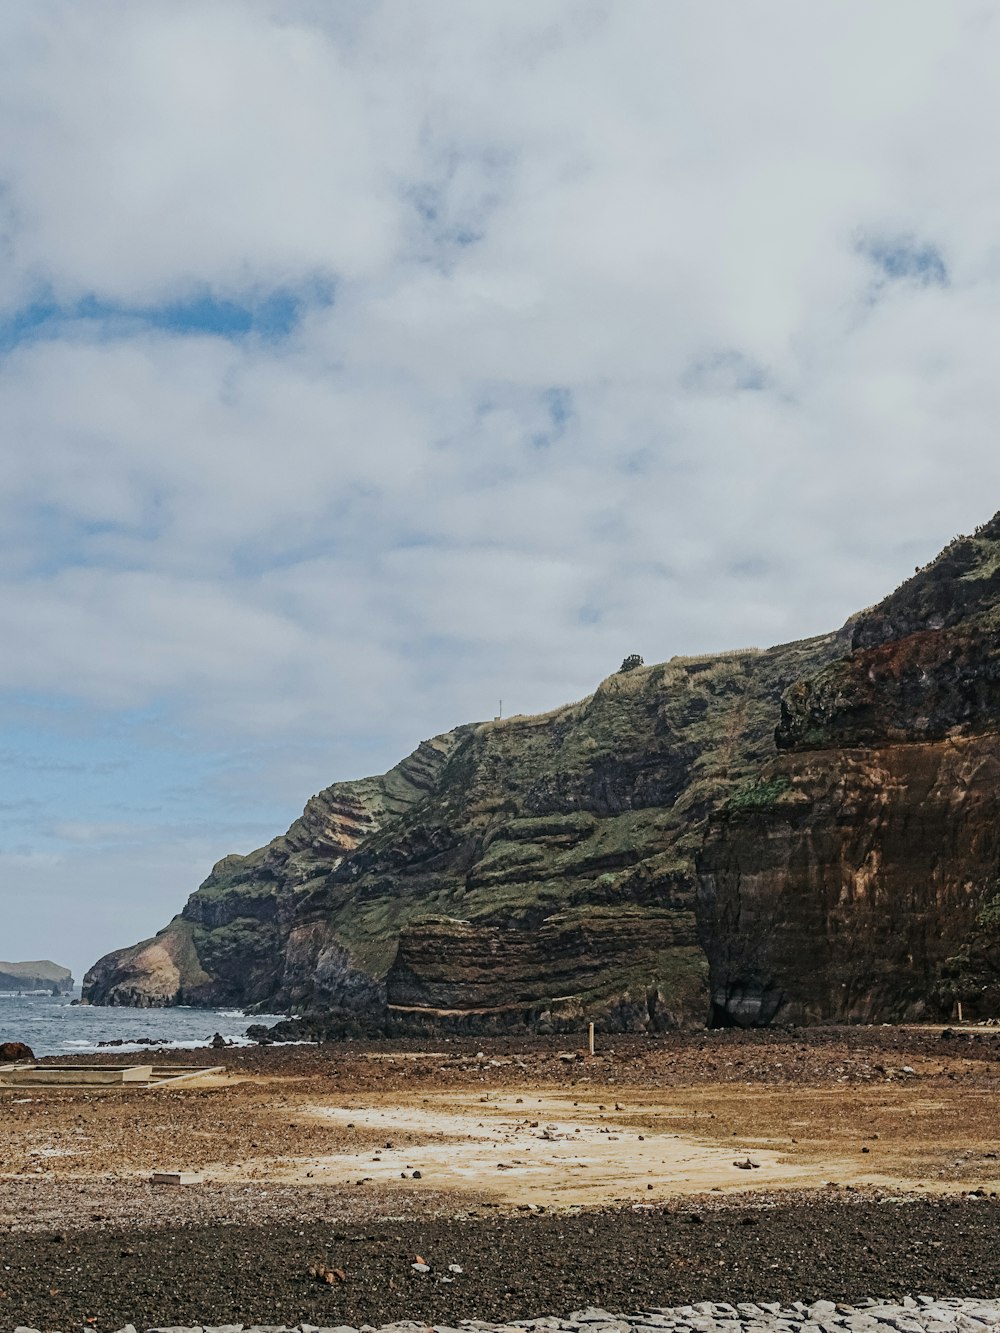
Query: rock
[820, 1310]
[504, 811]
[330, 1277]
[920, 688]
[15, 1052]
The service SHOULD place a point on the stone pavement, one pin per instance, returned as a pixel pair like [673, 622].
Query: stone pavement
[920, 1314]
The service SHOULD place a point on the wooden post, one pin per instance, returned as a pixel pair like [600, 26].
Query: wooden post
[591, 1039]
[960, 1011]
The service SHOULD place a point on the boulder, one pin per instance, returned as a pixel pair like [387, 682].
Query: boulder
[13, 1052]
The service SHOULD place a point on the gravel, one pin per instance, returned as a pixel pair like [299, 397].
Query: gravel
[519, 1268]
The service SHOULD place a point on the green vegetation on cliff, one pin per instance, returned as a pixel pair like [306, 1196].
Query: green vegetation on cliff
[643, 852]
[562, 841]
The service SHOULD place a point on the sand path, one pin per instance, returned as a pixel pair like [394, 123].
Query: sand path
[554, 1151]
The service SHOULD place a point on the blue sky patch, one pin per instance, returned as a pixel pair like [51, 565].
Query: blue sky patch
[271, 315]
[903, 258]
[557, 403]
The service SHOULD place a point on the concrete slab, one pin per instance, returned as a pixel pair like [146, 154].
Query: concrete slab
[176, 1178]
[99, 1076]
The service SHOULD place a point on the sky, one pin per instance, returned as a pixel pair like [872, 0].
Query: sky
[363, 364]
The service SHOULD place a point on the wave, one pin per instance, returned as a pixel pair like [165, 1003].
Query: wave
[134, 1048]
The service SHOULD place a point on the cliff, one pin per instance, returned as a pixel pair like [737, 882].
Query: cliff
[805, 833]
[526, 871]
[36, 976]
[850, 879]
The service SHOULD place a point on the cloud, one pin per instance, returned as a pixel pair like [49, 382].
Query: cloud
[363, 364]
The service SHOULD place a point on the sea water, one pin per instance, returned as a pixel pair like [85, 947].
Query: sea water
[52, 1025]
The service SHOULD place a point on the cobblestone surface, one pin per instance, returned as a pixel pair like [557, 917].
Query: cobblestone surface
[914, 1314]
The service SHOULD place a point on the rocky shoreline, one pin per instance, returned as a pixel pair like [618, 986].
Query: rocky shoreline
[921, 1314]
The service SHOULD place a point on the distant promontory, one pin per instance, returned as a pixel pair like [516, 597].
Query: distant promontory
[41, 975]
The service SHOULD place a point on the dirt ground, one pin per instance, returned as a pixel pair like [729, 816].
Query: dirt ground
[531, 1178]
[531, 1125]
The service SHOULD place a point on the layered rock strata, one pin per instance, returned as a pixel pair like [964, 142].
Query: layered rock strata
[842, 881]
[806, 833]
[532, 871]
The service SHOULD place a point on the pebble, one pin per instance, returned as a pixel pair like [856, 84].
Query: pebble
[921, 1314]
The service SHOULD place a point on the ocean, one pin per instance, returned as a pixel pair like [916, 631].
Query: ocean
[50, 1025]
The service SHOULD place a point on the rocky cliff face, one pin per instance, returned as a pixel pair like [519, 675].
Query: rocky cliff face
[806, 832]
[41, 975]
[241, 938]
[529, 871]
[841, 882]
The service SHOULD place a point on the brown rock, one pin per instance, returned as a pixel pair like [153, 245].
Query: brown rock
[15, 1051]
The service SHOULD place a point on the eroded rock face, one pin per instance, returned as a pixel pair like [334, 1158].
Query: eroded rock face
[840, 899]
[627, 968]
[564, 843]
[837, 886]
[805, 833]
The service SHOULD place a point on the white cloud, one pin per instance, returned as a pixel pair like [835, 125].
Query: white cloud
[611, 364]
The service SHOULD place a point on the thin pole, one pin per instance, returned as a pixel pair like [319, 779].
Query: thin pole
[591, 1039]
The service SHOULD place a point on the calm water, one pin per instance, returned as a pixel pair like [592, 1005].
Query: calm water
[52, 1026]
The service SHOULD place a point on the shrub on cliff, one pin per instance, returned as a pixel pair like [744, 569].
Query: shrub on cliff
[758, 794]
